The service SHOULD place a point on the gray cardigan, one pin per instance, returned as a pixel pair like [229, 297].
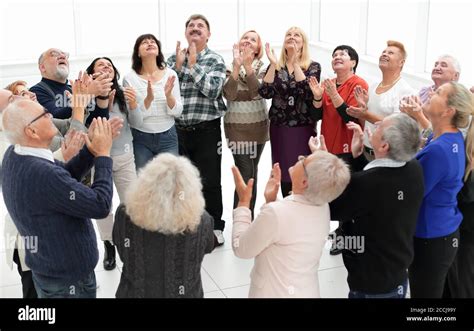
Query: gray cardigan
[161, 266]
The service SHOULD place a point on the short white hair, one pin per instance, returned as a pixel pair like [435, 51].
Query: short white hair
[328, 177]
[167, 196]
[403, 136]
[454, 62]
[15, 118]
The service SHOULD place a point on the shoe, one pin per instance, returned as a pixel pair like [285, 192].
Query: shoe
[335, 251]
[218, 238]
[109, 255]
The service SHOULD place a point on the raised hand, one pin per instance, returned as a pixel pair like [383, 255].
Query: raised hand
[180, 55]
[101, 138]
[357, 145]
[101, 84]
[244, 191]
[361, 96]
[411, 106]
[330, 87]
[248, 56]
[130, 97]
[80, 97]
[111, 99]
[317, 144]
[192, 55]
[169, 86]
[238, 60]
[270, 54]
[72, 144]
[357, 112]
[292, 52]
[273, 184]
[316, 88]
[150, 96]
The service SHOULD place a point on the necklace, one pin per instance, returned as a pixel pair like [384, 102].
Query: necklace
[391, 84]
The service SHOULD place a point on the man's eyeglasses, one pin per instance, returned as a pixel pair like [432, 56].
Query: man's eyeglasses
[57, 54]
[45, 113]
[302, 158]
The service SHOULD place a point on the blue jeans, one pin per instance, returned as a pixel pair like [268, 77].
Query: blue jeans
[148, 145]
[51, 288]
[397, 293]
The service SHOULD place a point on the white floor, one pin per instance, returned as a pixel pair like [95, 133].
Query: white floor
[223, 274]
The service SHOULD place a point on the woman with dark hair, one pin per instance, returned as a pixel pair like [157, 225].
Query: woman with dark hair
[330, 101]
[159, 101]
[122, 104]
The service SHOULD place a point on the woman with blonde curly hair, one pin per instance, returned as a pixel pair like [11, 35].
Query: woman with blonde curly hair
[163, 231]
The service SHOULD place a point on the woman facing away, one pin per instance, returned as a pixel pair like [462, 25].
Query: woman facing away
[246, 118]
[162, 232]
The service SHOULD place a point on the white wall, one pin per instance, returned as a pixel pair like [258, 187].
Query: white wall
[90, 28]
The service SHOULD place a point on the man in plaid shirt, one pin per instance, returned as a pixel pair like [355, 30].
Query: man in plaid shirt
[202, 74]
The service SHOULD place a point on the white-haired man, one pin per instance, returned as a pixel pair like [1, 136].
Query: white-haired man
[53, 91]
[287, 237]
[382, 201]
[49, 204]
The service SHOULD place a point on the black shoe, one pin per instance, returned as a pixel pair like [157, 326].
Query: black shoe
[109, 255]
[335, 251]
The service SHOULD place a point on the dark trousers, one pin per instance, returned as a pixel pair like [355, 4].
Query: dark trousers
[248, 167]
[397, 293]
[28, 287]
[202, 144]
[285, 188]
[433, 258]
[50, 288]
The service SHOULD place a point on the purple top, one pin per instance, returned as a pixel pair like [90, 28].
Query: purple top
[425, 93]
[291, 100]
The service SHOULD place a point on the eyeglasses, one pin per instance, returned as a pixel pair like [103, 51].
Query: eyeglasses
[57, 54]
[302, 158]
[45, 113]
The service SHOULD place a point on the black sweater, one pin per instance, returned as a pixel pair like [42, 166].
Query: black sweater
[156, 265]
[383, 204]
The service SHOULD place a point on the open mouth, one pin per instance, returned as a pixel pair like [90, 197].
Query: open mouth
[195, 32]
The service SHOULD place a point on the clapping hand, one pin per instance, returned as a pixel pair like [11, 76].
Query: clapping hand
[316, 88]
[270, 54]
[101, 137]
[238, 60]
[130, 97]
[357, 145]
[72, 144]
[317, 144]
[273, 184]
[244, 191]
[169, 86]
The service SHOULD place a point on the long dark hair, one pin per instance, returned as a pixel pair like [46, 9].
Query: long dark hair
[137, 61]
[119, 96]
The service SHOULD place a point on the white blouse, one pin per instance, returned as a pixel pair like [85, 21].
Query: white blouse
[158, 117]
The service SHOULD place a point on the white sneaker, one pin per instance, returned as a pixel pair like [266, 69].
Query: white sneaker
[219, 238]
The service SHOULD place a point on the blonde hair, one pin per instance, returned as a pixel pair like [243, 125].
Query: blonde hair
[259, 53]
[462, 100]
[12, 86]
[305, 59]
[398, 45]
[328, 177]
[167, 196]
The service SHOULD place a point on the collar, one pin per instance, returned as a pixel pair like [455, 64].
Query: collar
[53, 82]
[43, 153]
[300, 198]
[387, 163]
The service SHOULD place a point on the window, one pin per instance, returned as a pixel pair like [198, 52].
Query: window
[450, 31]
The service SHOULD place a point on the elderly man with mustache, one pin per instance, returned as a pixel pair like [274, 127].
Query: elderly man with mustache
[202, 74]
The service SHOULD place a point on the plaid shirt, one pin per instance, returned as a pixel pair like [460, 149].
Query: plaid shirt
[201, 88]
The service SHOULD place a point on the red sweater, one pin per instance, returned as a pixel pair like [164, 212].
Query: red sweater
[333, 127]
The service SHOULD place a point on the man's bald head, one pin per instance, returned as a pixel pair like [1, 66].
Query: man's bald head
[5, 96]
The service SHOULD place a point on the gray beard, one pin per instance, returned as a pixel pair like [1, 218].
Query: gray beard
[62, 73]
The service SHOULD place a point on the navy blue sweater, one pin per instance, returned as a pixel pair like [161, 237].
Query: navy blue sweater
[48, 201]
[57, 105]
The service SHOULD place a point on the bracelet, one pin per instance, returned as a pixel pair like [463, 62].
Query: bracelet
[318, 100]
[101, 97]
